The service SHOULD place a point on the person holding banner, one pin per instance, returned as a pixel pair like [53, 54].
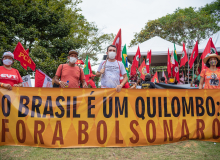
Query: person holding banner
[111, 69]
[70, 72]
[9, 77]
[210, 75]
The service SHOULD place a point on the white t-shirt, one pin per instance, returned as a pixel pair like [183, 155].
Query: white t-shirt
[111, 76]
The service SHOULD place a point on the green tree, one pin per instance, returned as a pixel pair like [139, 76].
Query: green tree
[182, 25]
[212, 9]
[49, 28]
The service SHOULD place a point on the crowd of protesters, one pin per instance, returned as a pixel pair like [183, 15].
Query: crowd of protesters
[112, 73]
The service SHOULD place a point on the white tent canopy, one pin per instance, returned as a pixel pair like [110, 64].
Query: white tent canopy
[159, 48]
[215, 40]
[157, 45]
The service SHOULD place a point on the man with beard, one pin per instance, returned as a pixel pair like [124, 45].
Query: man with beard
[69, 74]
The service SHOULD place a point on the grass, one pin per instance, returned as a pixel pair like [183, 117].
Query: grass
[181, 150]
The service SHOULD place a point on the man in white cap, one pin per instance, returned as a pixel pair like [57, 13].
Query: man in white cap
[69, 74]
[111, 69]
[9, 76]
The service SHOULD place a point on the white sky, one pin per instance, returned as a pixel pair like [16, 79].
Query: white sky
[131, 15]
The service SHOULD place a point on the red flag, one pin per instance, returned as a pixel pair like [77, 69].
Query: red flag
[209, 49]
[176, 65]
[79, 62]
[136, 58]
[194, 54]
[155, 78]
[42, 80]
[117, 43]
[168, 64]
[142, 70]
[148, 61]
[133, 71]
[89, 66]
[184, 57]
[90, 72]
[21, 55]
[163, 75]
[135, 62]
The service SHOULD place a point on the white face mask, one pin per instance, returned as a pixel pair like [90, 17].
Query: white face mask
[111, 55]
[7, 62]
[73, 60]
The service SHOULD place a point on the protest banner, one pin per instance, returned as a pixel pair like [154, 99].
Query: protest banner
[70, 118]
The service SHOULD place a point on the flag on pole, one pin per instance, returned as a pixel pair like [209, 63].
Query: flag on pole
[168, 64]
[164, 75]
[125, 59]
[137, 58]
[172, 59]
[42, 80]
[209, 49]
[90, 67]
[176, 65]
[135, 62]
[133, 71]
[117, 43]
[184, 57]
[142, 69]
[148, 61]
[155, 78]
[26, 81]
[194, 54]
[86, 69]
[23, 57]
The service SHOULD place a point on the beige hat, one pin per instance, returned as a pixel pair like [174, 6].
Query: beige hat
[211, 56]
[73, 52]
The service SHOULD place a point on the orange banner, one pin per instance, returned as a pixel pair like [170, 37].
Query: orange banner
[65, 118]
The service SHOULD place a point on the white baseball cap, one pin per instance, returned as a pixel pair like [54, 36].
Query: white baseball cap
[8, 53]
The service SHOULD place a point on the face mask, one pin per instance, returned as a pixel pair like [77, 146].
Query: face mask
[111, 55]
[73, 60]
[7, 62]
[213, 63]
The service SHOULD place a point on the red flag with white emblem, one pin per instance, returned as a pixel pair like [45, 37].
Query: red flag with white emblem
[209, 49]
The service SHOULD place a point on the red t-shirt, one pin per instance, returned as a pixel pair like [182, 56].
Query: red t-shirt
[71, 74]
[11, 76]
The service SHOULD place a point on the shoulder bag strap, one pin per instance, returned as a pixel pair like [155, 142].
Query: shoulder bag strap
[79, 73]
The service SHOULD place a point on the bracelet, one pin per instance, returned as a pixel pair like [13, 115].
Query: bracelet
[2, 84]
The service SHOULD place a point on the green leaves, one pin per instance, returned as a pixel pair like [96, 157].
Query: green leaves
[49, 28]
[183, 25]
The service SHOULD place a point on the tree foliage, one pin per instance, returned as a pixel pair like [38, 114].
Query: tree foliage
[182, 25]
[49, 28]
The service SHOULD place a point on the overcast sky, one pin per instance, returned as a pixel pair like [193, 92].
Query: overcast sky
[131, 15]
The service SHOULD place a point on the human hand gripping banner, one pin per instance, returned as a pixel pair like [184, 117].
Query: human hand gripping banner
[70, 118]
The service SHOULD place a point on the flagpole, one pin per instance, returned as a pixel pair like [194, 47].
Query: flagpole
[188, 63]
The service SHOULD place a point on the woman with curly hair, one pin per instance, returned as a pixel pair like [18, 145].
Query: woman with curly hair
[211, 75]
